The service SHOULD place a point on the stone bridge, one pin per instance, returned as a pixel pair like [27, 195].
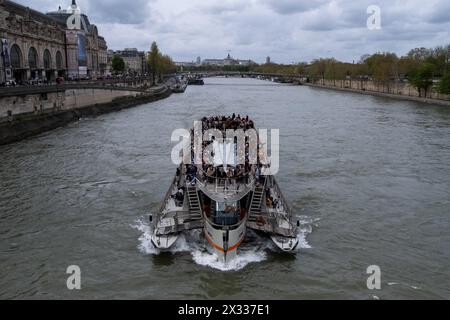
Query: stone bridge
[267, 76]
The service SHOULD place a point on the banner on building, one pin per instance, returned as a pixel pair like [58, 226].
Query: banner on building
[82, 52]
[6, 60]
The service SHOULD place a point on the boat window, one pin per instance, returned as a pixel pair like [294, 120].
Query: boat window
[226, 214]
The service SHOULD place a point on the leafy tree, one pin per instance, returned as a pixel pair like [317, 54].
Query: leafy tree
[422, 79]
[318, 68]
[154, 61]
[383, 66]
[165, 65]
[420, 54]
[439, 58]
[118, 65]
[444, 85]
[408, 66]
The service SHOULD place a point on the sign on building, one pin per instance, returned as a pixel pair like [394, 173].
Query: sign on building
[6, 59]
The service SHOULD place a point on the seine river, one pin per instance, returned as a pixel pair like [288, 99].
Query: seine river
[369, 178]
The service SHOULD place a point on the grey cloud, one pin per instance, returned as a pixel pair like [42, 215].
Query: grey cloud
[118, 11]
[225, 7]
[292, 6]
[286, 30]
[440, 13]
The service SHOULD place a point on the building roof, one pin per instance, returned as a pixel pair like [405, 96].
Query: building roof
[23, 11]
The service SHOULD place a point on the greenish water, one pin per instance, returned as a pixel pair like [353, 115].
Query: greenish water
[369, 177]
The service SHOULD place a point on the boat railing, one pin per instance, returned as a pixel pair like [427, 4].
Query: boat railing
[168, 195]
[228, 185]
[281, 195]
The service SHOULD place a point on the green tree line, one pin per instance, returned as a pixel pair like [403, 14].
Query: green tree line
[159, 64]
[423, 68]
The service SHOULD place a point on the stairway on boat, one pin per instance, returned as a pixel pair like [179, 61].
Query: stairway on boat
[195, 212]
[257, 201]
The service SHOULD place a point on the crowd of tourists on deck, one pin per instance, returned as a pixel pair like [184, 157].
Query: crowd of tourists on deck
[224, 123]
[229, 173]
[225, 175]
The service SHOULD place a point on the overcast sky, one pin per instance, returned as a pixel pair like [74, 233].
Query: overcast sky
[287, 30]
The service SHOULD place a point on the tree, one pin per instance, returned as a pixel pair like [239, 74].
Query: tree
[419, 54]
[319, 68]
[422, 79]
[383, 67]
[166, 65]
[118, 65]
[444, 85]
[408, 66]
[153, 61]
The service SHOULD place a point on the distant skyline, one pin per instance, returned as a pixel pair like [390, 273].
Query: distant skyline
[286, 30]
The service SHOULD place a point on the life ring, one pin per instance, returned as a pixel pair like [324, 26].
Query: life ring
[260, 221]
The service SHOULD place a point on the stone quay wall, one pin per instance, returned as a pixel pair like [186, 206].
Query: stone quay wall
[22, 116]
[402, 91]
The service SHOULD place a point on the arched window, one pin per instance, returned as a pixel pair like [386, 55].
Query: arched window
[33, 58]
[59, 60]
[47, 60]
[16, 57]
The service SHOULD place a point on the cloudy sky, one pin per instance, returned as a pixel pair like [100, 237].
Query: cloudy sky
[287, 30]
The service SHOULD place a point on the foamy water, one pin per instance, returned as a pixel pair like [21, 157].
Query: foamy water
[254, 250]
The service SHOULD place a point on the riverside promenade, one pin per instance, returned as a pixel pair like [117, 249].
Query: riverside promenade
[444, 100]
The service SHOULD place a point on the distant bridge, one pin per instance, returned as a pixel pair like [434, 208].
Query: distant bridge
[206, 74]
[277, 77]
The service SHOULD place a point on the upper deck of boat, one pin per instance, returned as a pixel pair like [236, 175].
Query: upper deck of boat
[229, 172]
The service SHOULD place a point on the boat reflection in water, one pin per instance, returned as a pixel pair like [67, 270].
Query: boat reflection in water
[224, 198]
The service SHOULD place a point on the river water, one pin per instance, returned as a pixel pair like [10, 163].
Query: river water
[369, 178]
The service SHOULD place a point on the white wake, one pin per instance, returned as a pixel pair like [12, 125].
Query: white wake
[254, 250]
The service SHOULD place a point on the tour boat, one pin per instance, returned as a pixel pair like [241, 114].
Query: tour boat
[224, 207]
[179, 87]
[196, 81]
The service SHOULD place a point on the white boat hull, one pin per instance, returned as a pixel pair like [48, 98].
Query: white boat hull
[225, 242]
[284, 243]
[164, 242]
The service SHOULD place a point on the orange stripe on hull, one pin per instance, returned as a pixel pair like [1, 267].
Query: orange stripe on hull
[220, 248]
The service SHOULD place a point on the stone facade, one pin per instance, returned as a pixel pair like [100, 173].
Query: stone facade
[228, 61]
[135, 61]
[40, 46]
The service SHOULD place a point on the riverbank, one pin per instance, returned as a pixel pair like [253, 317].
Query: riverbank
[382, 94]
[30, 124]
